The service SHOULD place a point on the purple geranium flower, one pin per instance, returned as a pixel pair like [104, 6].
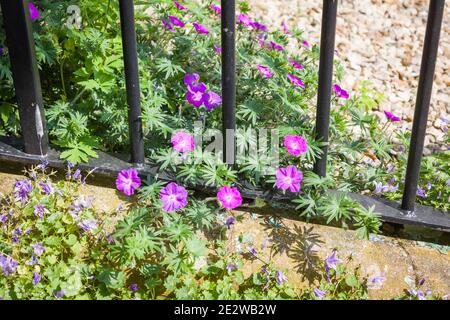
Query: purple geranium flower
[128, 181]
[281, 278]
[180, 6]
[391, 116]
[341, 93]
[229, 222]
[133, 287]
[264, 71]
[306, 44]
[88, 225]
[285, 28]
[194, 95]
[173, 197]
[167, 25]
[245, 20]
[38, 248]
[217, 49]
[176, 21]
[259, 26]
[289, 178]
[8, 264]
[191, 79]
[229, 197]
[40, 210]
[183, 142]
[275, 46]
[295, 144]
[36, 278]
[319, 293]
[21, 190]
[200, 28]
[296, 81]
[34, 12]
[216, 8]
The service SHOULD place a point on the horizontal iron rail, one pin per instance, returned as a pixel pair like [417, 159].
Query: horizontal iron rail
[108, 166]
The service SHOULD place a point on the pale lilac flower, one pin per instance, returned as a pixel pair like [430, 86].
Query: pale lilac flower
[38, 248]
[429, 185]
[377, 280]
[21, 190]
[8, 265]
[34, 12]
[36, 278]
[319, 293]
[183, 142]
[133, 287]
[59, 294]
[447, 183]
[229, 222]
[32, 261]
[211, 100]
[296, 64]
[378, 187]
[390, 168]
[245, 20]
[252, 251]
[180, 6]
[331, 261]
[341, 93]
[43, 164]
[229, 197]
[285, 28]
[176, 21]
[128, 181]
[216, 8]
[88, 225]
[200, 28]
[77, 174]
[40, 210]
[391, 116]
[173, 197]
[167, 25]
[264, 71]
[295, 144]
[16, 234]
[194, 94]
[4, 218]
[281, 278]
[47, 187]
[296, 81]
[231, 267]
[289, 178]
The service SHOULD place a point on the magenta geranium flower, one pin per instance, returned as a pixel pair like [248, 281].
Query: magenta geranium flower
[245, 20]
[391, 116]
[191, 78]
[259, 26]
[295, 144]
[306, 44]
[289, 178]
[176, 21]
[275, 46]
[229, 197]
[211, 100]
[128, 181]
[200, 28]
[173, 197]
[167, 25]
[296, 81]
[195, 94]
[217, 49]
[296, 64]
[34, 12]
[179, 6]
[182, 141]
[264, 71]
[341, 93]
[216, 8]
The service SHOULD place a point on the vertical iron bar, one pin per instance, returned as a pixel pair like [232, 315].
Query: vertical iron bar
[132, 80]
[327, 36]
[27, 84]
[430, 48]
[228, 79]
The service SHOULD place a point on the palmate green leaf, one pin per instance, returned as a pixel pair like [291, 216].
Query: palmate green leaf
[79, 151]
[306, 204]
[196, 246]
[167, 67]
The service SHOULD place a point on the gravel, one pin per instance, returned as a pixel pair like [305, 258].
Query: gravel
[380, 41]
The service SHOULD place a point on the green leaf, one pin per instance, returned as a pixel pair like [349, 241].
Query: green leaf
[196, 246]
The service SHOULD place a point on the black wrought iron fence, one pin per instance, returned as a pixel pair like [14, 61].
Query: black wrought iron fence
[34, 144]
